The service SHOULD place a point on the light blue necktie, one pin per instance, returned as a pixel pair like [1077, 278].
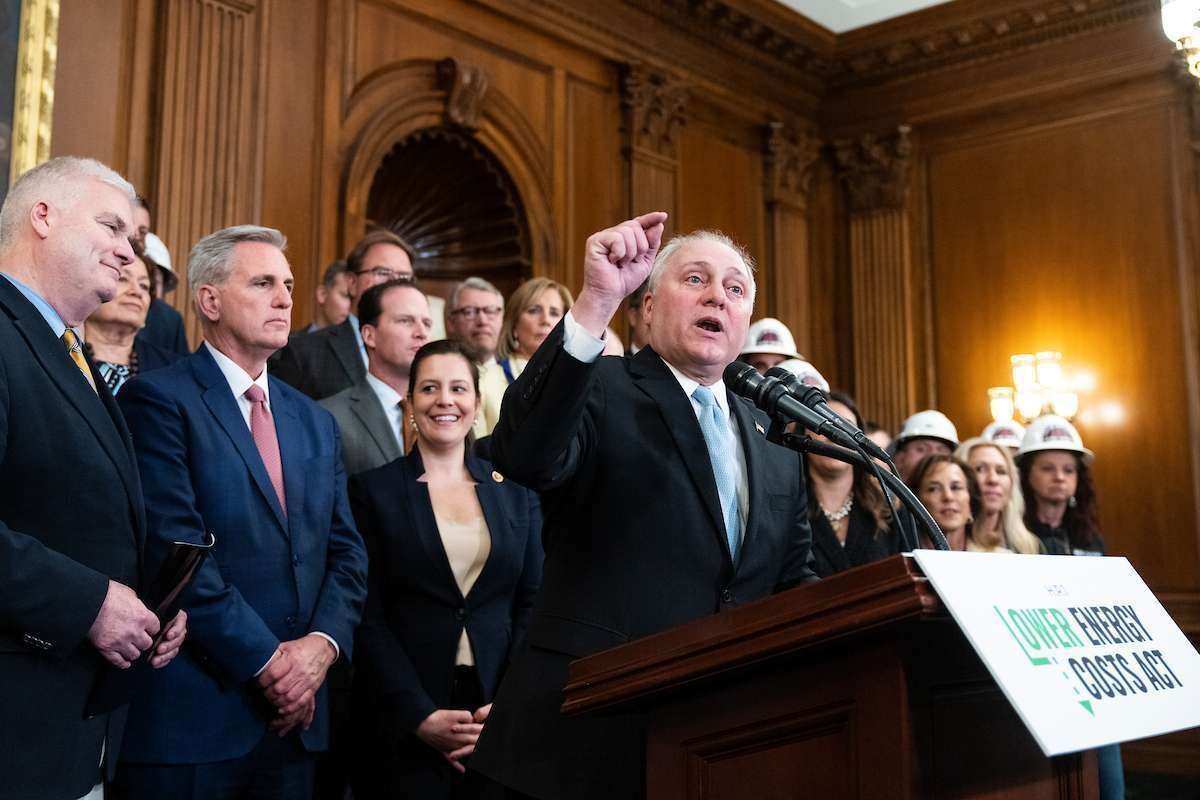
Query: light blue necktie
[714, 426]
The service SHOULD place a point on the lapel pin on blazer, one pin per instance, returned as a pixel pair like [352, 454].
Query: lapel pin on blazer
[497, 477]
[758, 427]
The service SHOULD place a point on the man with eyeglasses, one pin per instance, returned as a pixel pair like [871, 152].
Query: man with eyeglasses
[325, 362]
[473, 318]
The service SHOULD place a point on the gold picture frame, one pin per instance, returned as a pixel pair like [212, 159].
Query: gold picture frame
[33, 107]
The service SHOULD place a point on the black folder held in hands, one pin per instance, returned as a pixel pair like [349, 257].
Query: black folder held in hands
[115, 687]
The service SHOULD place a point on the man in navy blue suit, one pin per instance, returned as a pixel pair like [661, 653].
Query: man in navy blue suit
[223, 448]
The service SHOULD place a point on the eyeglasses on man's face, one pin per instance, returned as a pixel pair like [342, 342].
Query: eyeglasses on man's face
[472, 312]
[385, 274]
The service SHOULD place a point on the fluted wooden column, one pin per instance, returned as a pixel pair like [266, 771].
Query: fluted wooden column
[874, 171]
[209, 140]
[654, 104]
[789, 157]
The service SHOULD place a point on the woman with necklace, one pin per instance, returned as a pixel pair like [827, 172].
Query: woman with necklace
[849, 518]
[530, 314]
[110, 333]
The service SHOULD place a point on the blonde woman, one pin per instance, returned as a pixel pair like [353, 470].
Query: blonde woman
[1001, 527]
[530, 314]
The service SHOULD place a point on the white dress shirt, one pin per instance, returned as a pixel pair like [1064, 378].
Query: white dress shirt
[581, 345]
[390, 399]
[239, 381]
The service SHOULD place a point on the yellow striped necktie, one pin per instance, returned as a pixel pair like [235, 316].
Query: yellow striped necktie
[75, 350]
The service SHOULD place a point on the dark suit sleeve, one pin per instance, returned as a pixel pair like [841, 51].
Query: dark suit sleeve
[43, 593]
[220, 621]
[547, 418]
[531, 574]
[383, 668]
[798, 561]
[340, 603]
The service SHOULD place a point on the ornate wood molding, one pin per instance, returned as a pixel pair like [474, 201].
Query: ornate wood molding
[654, 103]
[874, 169]
[466, 87]
[34, 107]
[983, 36]
[789, 158]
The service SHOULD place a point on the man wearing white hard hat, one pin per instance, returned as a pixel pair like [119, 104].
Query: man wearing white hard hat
[1060, 509]
[923, 434]
[1006, 433]
[768, 344]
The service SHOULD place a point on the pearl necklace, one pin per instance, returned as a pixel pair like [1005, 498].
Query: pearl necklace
[835, 517]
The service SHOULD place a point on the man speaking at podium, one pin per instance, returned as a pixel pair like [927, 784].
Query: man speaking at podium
[663, 500]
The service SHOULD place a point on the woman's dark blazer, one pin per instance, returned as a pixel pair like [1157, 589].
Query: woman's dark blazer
[405, 648]
[864, 543]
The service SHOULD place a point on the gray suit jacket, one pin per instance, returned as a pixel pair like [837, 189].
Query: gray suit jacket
[368, 440]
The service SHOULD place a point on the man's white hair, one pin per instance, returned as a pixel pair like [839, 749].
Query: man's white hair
[60, 182]
[662, 260]
[208, 263]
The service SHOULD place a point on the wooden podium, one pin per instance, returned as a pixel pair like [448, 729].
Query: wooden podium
[859, 686]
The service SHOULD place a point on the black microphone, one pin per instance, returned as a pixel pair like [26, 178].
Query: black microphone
[814, 398]
[772, 396]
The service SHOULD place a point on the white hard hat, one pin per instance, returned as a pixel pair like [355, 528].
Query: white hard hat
[769, 335]
[157, 252]
[806, 373]
[1006, 434]
[1052, 432]
[928, 424]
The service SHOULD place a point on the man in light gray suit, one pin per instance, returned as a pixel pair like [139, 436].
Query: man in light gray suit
[373, 415]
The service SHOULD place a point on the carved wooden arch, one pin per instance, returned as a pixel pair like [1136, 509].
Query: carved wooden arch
[406, 97]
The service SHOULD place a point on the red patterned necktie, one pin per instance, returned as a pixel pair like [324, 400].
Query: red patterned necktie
[262, 428]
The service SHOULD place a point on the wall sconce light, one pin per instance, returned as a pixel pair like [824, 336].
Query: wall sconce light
[1039, 387]
[1180, 19]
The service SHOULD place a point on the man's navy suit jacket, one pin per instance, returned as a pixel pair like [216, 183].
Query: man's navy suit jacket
[272, 576]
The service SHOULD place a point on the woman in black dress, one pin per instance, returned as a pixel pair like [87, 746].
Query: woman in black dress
[849, 518]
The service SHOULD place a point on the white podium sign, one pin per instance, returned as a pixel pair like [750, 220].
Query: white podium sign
[1080, 646]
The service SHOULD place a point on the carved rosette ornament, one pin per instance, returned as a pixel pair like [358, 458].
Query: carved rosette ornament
[466, 87]
[790, 156]
[654, 103]
[874, 169]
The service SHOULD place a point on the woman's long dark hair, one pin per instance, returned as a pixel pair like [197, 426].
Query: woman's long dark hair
[865, 490]
[1081, 521]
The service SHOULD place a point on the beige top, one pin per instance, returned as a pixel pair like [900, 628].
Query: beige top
[467, 541]
[492, 385]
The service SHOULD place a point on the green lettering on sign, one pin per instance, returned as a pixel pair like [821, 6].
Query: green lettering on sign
[1037, 662]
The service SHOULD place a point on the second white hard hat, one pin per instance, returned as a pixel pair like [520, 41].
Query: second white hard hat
[769, 335]
[1051, 432]
[806, 373]
[1007, 433]
[928, 424]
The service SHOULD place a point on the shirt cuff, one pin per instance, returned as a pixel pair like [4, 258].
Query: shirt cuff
[337, 651]
[579, 343]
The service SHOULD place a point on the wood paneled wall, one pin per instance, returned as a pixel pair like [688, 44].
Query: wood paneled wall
[924, 196]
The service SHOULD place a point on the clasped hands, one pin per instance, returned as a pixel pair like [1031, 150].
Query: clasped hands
[291, 680]
[124, 628]
[453, 732]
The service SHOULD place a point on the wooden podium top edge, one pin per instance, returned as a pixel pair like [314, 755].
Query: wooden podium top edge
[851, 602]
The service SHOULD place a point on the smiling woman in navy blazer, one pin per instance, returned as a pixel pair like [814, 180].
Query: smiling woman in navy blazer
[456, 559]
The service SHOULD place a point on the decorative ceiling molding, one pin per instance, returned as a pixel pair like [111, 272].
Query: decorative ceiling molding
[951, 39]
[982, 38]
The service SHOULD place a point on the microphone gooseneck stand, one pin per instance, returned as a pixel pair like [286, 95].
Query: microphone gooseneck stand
[773, 397]
[804, 444]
